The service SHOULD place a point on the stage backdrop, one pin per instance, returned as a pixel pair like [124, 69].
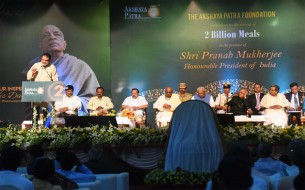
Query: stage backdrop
[85, 25]
[155, 44]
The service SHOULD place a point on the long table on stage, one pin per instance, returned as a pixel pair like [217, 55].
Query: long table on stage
[226, 119]
[86, 121]
[252, 119]
[230, 119]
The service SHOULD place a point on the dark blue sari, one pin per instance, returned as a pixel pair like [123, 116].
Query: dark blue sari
[194, 144]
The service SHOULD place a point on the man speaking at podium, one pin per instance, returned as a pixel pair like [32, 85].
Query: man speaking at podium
[43, 70]
[40, 72]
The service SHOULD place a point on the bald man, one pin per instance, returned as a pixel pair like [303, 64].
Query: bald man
[166, 105]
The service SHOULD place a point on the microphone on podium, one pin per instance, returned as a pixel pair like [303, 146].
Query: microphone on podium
[47, 72]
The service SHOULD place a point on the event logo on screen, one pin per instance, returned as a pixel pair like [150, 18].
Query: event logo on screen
[142, 12]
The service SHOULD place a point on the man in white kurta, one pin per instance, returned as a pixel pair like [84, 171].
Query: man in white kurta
[275, 104]
[43, 70]
[69, 105]
[166, 105]
[99, 104]
[137, 104]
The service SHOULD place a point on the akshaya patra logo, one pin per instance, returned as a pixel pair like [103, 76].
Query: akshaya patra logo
[34, 91]
[142, 12]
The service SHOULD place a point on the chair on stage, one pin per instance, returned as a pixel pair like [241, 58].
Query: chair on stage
[295, 117]
[195, 143]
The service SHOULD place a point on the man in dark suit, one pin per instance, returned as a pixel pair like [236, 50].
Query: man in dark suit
[255, 99]
[238, 105]
[296, 102]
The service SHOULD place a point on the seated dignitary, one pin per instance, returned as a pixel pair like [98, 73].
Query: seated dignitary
[137, 104]
[239, 105]
[296, 100]
[203, 96]
[69, 105]
[166, 105]
[99, 104]
[223, 98]
[255, 99]
[183, 95]
[275, 104]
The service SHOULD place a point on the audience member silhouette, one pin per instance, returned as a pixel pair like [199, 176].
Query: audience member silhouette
[285, 158]
[233, 173]
[266, 164]
[283, 180]
[36, 152]
[10, 160]
[95, 163]
[68, 161]
[59, 152]
[299, 181]
[44, 175]
[240, 150]
[299, 160]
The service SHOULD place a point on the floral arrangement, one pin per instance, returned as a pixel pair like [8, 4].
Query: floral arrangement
[270, 133]
[128, 113]
[111, 113]
[159, 177]
[41, 117]
[59, 137]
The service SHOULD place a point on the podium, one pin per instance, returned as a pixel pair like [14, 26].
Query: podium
[42, 91]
